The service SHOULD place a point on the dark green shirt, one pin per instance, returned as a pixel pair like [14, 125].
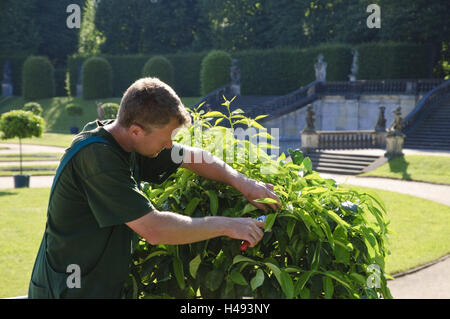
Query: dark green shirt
[97, 193]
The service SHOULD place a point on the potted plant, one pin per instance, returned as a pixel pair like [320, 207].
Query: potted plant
[21, 124]
[74, 110]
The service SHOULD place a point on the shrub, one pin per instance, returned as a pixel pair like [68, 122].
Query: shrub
[159, 67]
[215, 71]
[34, 107]
[326, 241]
[38, 80]
[74, 109]
[110, 110]
[97, 78]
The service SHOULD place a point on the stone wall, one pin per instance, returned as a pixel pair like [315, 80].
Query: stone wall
[336, 113]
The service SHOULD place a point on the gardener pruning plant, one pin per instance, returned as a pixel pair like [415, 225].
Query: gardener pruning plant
[96, 206]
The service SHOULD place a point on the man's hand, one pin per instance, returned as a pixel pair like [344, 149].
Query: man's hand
[252, 189]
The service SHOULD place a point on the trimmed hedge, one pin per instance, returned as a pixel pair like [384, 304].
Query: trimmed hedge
[276, 71]
[97, 78]
[161, 68]
[215, 71]
[382, 61]
[280, 71]
[129, 69]
[110, 110]
[38, 78]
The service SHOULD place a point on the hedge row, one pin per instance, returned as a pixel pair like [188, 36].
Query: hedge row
[129, 67]
[267, 72]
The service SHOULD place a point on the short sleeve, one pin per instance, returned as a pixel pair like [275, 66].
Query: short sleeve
[114, 198]
[158, 169]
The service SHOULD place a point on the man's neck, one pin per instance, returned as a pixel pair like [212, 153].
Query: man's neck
[120, 135]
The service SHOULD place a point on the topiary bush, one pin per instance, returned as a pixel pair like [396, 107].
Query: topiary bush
[327, 241]
[34, 107]
[21, 124]
[159, 67]
[38, 79]
[97, 78]
[110, 110]
[215, 71]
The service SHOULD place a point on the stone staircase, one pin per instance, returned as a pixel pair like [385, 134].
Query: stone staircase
[434, 131]
[343, 162]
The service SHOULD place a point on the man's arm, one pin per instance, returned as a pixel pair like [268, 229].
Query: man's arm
[209, 166]
[160, 227]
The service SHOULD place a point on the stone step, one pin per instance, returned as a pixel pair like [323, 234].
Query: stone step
[337, 170]
[343, 155]
[346, 166]
[355, 163]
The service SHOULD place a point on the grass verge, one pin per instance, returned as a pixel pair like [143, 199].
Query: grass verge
[434, 169]
[420, 230]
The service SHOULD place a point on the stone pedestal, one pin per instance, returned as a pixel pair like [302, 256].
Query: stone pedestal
[236, 90]
[380, 139]
[310, 141]
[394, 145]
[79, 90]
[7, 89]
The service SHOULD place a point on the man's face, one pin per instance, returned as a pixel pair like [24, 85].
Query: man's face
[152, 144]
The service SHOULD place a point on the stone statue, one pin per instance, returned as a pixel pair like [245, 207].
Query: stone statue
[397, 126]
[354, 68]
[79, 85]
[235, 75]
[381, 124]
[100, 112]
[310, 120]
[321, 69]
[7, 86]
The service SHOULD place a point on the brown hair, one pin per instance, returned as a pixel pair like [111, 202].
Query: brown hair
[148, 103]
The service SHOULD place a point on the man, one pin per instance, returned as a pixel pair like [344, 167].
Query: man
[96, 206]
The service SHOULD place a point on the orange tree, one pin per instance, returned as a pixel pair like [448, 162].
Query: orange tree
[326, 241]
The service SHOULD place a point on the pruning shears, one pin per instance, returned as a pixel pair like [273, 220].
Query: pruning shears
[245, 244]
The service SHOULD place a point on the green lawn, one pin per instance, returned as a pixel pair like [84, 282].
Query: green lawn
[420, 233]
[435, 169]
[420, 230]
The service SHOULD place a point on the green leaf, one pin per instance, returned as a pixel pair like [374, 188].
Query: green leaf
[308, 164]
[269, 222]
[194, 264]
[260, 117]
[192, 206]
[240, 258]
[301, 282]
[213, 114]
[286, 284]
[178, 272]
[328, 287]
[238, 278]
[290, 227]
[266, 200]
[214, 279]
[249, 208]
[213, 202]
[258, 280]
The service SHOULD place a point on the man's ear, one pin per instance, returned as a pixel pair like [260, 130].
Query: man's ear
[135, 130]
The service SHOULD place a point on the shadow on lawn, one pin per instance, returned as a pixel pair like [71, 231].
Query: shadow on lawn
[400, 165]
[7, 193]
